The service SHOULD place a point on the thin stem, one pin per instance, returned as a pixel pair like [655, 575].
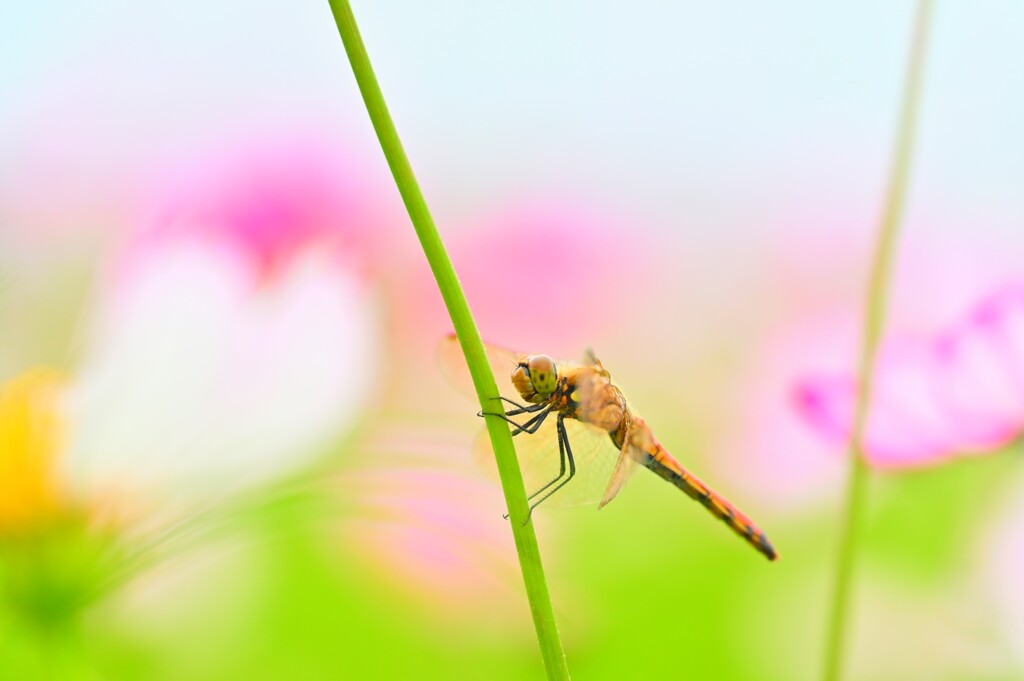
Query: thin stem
[469, 339]
[874, 323]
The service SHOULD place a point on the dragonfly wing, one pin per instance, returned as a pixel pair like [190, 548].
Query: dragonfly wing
[593, 453]
[624, 469]
[453, 366]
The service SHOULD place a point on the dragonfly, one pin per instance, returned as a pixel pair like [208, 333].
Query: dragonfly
[582, 440]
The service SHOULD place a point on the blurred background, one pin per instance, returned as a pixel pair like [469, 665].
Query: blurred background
[227, 449]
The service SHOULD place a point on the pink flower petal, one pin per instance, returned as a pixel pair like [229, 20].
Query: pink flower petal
[980, 382]
[272, 202]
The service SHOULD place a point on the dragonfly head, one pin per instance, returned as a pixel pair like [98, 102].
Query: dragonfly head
[535, 377]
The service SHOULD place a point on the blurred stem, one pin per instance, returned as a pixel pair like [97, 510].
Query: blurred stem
[874, 322]
[469, 339]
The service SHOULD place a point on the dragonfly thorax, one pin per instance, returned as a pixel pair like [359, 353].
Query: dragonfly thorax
[536, 378]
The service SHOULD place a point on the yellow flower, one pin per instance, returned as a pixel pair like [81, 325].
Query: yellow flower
[31, 431]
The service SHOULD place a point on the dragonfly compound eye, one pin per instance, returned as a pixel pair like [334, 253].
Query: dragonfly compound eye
[543, 374]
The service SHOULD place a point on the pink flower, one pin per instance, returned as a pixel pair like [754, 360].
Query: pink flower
[808, 317]
[960, 391]
[235, 334]
[547, 276]
[435, 533]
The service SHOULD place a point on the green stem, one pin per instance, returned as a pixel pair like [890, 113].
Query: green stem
[874, 323]
[469, 339]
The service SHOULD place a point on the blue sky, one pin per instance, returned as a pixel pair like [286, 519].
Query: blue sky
[692, 115]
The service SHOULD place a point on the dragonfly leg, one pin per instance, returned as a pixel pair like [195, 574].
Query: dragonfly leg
[530, 426]
[563, 441]
[520, 409]
[561, 468]
[533, 424]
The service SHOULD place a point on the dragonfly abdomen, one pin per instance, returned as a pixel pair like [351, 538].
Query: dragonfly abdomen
[666, 467]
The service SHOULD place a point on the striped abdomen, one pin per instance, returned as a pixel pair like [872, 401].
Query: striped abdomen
[662, 463]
